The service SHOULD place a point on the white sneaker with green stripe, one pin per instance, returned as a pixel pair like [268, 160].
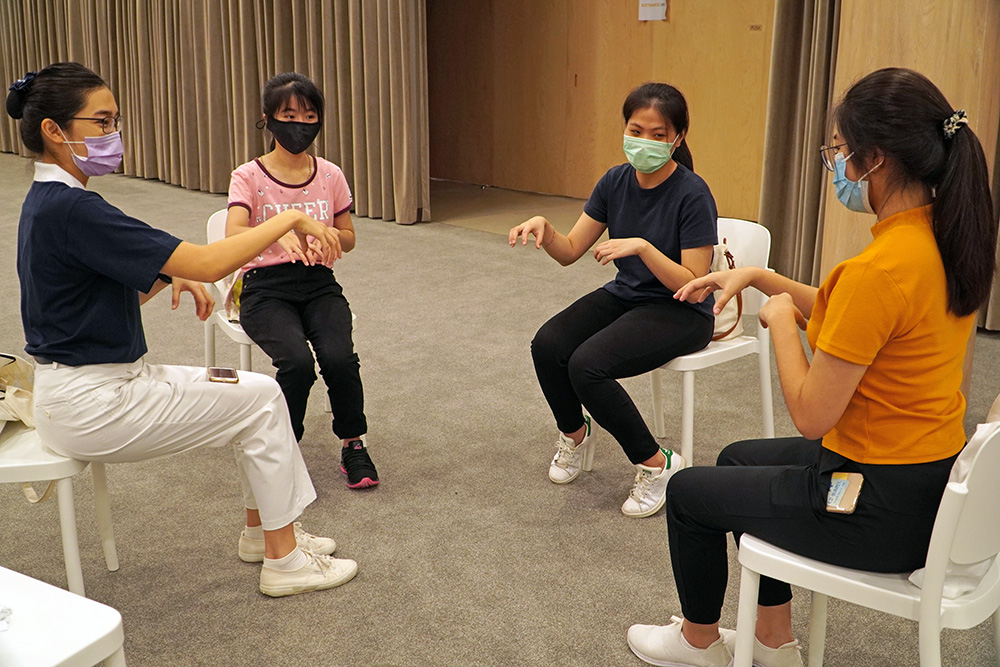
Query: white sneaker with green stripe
[571, 459]
[649, 492]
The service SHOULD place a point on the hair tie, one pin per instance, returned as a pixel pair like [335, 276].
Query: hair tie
[954, 122]
[22, 84]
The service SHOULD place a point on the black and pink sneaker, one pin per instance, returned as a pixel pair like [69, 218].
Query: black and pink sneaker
[357, 465]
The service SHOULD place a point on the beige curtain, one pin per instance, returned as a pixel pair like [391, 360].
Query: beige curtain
[803, 56]
[189, 74]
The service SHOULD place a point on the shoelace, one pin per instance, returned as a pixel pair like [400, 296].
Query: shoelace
[302, 537]
[322, 564]
[643, 480]
[565, 454]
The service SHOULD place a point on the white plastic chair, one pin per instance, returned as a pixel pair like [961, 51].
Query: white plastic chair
[750, 244]
[49, 627]
[23, 459]
[217, 230]
[966, 531]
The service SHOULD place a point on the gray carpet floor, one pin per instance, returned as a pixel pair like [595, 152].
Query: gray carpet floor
[468, 555]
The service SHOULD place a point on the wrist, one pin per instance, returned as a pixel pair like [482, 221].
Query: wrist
[545, 232]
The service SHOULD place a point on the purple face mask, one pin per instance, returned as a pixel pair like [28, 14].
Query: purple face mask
[104, 153]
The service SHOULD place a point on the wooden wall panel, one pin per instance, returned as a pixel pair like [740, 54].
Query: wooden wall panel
[954, 43]
[554, 74]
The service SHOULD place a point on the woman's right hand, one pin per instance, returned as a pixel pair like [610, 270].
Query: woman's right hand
[328, 239]
[727, 283]
[536, 226]
[290, 244]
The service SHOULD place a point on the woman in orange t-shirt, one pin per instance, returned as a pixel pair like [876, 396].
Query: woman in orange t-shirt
[881, 396]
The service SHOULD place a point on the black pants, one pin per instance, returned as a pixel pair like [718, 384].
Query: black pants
[581, 352]
[284, 309]
[776, 490]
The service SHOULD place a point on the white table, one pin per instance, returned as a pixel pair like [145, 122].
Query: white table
[51, 627]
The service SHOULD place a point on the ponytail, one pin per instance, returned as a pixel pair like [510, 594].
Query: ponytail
[964, 226]
[670, 104]
[901, 114]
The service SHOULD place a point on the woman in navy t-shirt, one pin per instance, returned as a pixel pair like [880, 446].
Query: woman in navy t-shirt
[85, 268]
[661, 220]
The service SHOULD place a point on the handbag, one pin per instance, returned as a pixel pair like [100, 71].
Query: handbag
[15, 391]
[728, 323]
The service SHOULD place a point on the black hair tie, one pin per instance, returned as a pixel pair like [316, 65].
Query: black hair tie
[18, 94]
[23, 83]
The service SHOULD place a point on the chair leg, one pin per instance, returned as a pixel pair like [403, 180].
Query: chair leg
[817, 629]
[687, 417]
[102, 506]
[766, 404]
[116, 659]
[71, 547]
[656, 382]
[209, 343]
[746, 618]
[930, 644]
[246, 363]
[996, 634]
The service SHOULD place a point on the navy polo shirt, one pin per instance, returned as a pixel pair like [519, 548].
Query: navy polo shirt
[676, 215]
[81, 263]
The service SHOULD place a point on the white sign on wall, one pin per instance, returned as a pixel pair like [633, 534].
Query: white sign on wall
[652, 10]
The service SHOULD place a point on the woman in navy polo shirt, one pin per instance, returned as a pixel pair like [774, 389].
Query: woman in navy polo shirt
[85, 268]
[661, 220]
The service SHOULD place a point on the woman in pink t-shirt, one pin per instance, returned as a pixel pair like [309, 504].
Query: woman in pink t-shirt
[290, 299]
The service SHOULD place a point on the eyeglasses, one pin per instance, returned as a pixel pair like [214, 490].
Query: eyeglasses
[108, 124]
[828, 154]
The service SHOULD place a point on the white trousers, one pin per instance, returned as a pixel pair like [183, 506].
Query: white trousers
[120, 413]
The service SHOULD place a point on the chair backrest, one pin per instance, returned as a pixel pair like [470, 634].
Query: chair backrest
[976, 529]
[215, 231]
[750, 244]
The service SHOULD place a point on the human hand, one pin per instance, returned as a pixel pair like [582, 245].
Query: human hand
[536, 226]
[727, 283]
[617, 248]
[778, 307]
[290, 244]
[325, 241]
[203, 301]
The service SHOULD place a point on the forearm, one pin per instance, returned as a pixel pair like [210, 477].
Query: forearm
[347, 240]
[208, 263]
[667, 271]
[559, 247]
[793, 370]
[158, 286]
[771, 283]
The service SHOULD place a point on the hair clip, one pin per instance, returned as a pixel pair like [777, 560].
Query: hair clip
[22, 84]
[954, 122]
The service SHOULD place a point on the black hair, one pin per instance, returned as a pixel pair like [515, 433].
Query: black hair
[901, 114]
[283, 87]
[57, 92]
[670, 104]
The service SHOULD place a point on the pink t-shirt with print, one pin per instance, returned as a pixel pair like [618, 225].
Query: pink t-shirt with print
[323, 196]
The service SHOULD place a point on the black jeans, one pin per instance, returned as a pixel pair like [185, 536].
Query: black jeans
[284, 309]
[581, 352]
[776, 490]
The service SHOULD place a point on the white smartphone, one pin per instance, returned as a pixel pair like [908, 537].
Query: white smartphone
[217, 374]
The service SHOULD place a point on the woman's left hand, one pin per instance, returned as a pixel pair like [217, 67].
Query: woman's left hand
[613, 249]
[203, 301]
[781, 306]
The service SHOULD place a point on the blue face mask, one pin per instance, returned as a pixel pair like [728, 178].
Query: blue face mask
[852, 194]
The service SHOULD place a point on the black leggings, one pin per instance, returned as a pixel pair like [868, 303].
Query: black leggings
[284, 309]
[581, 352]
[776, 490]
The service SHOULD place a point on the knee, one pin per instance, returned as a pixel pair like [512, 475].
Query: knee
[583, 369]
[679, 488]
[337, 361]
[732, 455]
[547, 344]
[300, 366]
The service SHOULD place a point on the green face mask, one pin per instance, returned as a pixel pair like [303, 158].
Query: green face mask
[647, 155]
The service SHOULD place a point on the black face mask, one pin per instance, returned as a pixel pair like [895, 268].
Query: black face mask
[294, 137]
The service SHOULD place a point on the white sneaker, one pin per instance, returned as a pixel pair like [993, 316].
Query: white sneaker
[663, 645]
[571, 459]
[319, 573]
[252, 551]
[649, 493]
[786, 655]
